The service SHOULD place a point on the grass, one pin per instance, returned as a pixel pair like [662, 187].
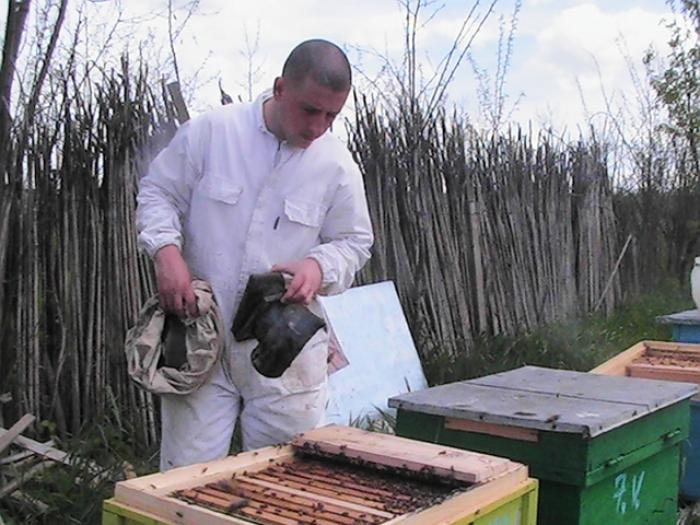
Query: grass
[74, 494]
[572, 345]
[576, 345]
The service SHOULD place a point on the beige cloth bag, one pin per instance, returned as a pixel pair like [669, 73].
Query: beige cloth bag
[203, 339]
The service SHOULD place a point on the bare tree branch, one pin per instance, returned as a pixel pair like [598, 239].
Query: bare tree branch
[171, 39]
[249, 52]
[39, 81]
[14, 28]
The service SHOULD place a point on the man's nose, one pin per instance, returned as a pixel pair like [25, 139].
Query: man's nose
[319, 125]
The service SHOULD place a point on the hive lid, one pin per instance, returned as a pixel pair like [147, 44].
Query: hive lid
[546, 399]
[687, 317]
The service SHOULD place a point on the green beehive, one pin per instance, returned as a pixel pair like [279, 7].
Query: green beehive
[605, 449]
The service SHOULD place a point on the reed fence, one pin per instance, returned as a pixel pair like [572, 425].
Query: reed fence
[73, 280]
[482, 235]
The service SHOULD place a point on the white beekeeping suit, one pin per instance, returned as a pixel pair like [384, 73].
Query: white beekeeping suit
[236, 201]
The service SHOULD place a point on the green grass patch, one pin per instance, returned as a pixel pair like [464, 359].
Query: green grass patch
[104, 453]
[572, 345]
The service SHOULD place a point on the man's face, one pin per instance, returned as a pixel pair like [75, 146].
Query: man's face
[306, 109]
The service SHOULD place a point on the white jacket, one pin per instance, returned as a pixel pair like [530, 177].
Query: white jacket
[236, 201]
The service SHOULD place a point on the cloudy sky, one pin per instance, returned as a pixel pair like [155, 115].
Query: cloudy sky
[565, 52]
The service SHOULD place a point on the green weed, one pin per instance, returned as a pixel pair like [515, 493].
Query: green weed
[572, 345]
[103, 453]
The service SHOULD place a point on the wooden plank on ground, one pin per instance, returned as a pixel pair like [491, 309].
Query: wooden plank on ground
[15, 458]
[8, 436]
[15, 484]
[38, 505]
[401, 453]
[39, 448]
[22, 455]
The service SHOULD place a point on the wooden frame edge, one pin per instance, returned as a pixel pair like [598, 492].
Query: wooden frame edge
[477, 500]
[617, 366]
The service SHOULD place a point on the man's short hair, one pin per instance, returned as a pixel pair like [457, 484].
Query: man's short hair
[323, 61]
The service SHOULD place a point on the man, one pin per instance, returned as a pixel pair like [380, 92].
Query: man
[241, 190]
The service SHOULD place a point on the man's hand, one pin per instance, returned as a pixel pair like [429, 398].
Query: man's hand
[175, 291]
[306, 280]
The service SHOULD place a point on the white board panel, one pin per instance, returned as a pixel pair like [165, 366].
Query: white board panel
[369, 325]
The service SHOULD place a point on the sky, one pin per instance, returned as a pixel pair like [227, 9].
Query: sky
[564, 52]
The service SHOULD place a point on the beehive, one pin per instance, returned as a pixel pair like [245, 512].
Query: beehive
[685, 326]
[333, 476]
[605, 450]
[656, 360]
[676, 361]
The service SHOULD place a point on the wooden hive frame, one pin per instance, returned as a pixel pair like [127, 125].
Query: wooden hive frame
[625, 363]
[489, 477]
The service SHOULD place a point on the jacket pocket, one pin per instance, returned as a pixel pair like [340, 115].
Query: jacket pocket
[220, 189]
[304, 212]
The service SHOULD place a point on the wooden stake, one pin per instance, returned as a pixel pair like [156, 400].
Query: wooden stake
[9, 435]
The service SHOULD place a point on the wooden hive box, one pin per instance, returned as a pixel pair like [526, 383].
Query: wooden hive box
[333, 476]
[605, 449]
[656, 360]
[671, 361]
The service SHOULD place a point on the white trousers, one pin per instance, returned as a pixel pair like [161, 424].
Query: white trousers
[198, 427]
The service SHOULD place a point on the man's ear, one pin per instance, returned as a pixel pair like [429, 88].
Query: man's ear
[278, 87]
